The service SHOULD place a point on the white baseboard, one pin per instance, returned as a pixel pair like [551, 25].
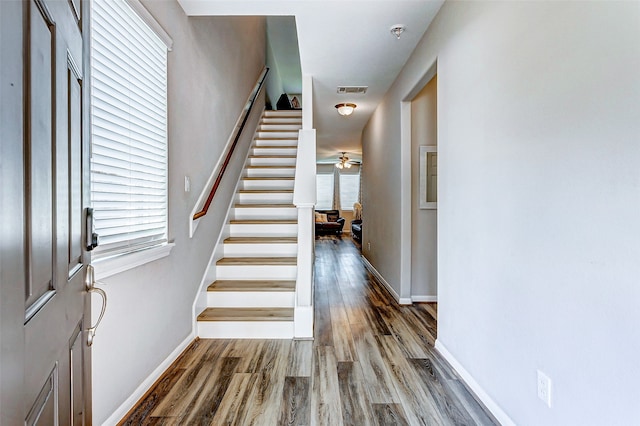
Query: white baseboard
[374, 271]
[423, 299]
[133, 399]
[400, 300]
[488, 402]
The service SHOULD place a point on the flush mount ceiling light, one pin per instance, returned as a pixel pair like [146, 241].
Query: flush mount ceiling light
[396, 30]
[343, 162]
[345, 108]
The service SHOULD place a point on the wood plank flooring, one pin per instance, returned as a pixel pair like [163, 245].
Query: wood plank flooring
[371, 363]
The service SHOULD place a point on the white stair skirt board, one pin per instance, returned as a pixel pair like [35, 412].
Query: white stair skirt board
[245, 329]
[260, 213]
[380, 278]
[250, 299]
[260, 250]
[488, 402]
[265, 197]
[256, 272]
[268, 184]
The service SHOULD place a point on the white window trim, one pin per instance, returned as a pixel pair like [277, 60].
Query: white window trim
[109, 266]
[114, 265]
[144, 14]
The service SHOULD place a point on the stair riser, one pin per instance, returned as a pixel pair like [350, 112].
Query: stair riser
[272, 161]
[285, 230]
[245, 329]
[256, 272]
[267, 184]
[251, 299]
[283, 120]
[281, 127]
[277, 142]
[274, 151]
[265, 213]
[265, 198]
[260, 250]
[284, 113]
[274, 172]
[275, 135]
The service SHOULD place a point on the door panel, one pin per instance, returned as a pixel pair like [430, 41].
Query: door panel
[39, 157]
[56, 375]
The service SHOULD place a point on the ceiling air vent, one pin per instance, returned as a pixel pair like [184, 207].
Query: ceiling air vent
[350, 90]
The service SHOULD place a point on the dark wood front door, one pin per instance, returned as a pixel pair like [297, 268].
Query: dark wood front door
[45, 309]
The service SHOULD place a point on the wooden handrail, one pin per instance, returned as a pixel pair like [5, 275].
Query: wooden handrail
[247, 110]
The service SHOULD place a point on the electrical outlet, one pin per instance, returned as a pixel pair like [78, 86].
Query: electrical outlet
[544, 388]
[368, 246]
[187, 184]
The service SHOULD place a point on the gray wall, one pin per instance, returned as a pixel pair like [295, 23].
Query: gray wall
[538, 131]
[214, 64]
[424, 235]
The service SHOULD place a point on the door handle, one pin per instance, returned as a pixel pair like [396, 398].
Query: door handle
[90, 284]
[92, 237]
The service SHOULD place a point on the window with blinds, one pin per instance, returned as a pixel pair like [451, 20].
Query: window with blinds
[349, 190]
[128, 130]
[324, 191]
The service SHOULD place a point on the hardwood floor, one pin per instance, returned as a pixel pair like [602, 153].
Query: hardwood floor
[371, 363]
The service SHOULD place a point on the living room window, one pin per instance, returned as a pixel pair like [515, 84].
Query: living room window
[349, 190]
[128, 128]
[324, 191]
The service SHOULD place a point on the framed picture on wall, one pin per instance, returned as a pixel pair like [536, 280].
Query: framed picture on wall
[429, 177]
[295, 99]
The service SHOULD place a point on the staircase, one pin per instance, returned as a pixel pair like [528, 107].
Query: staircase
[253, 295]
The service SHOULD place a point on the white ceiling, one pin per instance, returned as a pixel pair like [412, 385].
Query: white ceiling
[341, 43]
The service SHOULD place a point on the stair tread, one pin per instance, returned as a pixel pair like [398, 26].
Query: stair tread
[284, 138]
[272, 156]
[269, 178]
[264, 206]
[261, 240]
[264, 221]
[260, 166]
[275, 147]
[265, 191]
[270, 261]
[252, 285]
[246, 314]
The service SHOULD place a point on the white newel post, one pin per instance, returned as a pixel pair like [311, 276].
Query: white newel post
[304, 197]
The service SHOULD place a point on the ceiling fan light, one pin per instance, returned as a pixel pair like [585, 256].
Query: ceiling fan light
[345, 108]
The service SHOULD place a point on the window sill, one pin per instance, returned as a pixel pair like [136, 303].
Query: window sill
[114, 265]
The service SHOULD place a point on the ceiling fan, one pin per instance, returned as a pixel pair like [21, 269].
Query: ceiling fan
[344, 162]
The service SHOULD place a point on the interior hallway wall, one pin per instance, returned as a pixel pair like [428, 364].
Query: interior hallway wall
[424, 222]
[539, 200]
[212, 68]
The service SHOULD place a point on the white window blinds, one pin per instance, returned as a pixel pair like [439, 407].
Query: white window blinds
[349, 189]
[128, 130]
[324, 191]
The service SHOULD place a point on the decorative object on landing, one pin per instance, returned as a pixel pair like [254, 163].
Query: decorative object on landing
[345, 108]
